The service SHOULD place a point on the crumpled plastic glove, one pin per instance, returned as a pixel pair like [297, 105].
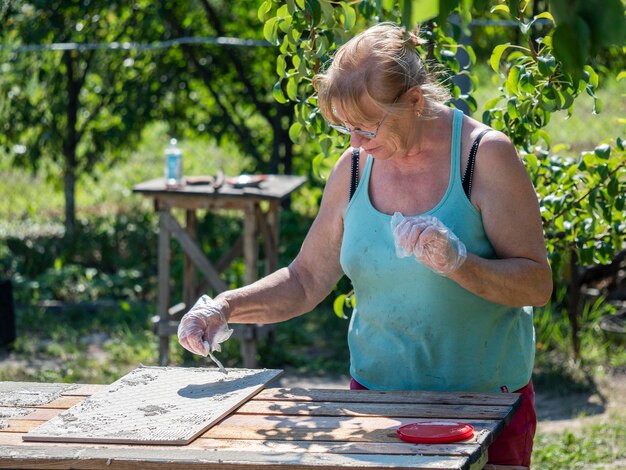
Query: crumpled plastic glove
[204, 327]
[430, 241]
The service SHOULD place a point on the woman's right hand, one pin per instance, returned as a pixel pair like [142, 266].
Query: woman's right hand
[204, 327]
[430, 241]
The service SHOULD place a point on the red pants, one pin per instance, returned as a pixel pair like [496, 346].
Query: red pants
[514, 445]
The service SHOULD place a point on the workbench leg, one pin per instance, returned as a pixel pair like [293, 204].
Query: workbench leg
[163, 287]
[189, 273]
[272, 237]
[271, 244]
[250, 256]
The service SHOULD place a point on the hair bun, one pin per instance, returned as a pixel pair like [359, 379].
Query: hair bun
[414, 39]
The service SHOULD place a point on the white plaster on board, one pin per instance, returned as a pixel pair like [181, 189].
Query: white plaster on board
[155, 405]
[31, 394]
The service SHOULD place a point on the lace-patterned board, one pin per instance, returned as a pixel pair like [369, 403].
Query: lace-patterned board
[155, 405]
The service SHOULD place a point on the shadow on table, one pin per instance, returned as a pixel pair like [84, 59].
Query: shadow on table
[349, 430]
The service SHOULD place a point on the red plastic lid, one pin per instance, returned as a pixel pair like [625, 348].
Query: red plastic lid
[435, 432]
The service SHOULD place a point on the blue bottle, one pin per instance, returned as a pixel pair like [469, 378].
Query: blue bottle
[173, 165]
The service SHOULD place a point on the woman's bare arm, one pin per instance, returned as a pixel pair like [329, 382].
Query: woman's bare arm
[504, 195]
[298, 288]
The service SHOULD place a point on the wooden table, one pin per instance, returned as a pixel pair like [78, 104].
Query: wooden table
[260, 207]
[278, 429]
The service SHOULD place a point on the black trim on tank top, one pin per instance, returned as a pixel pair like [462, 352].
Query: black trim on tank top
[354, 172]
[469, 169]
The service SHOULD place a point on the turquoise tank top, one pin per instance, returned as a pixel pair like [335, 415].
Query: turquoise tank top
[413, 329]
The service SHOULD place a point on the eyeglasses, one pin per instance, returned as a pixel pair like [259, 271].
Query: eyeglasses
[357, 131]
[362, 133]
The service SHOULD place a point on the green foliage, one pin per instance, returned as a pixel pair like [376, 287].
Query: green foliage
[226, 91]
[59, 345]
[553, 333]
[105, 273]
[79, 108]
[76, 107]
[103, 327]
[582, 202]
[305, 32]
[105, 257]
[312, 344]
[584, 27]
[533, 86]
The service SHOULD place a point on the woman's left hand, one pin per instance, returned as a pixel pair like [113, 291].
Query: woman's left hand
[430, 241]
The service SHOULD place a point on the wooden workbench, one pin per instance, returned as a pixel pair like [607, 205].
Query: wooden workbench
[279, 429]
[260, 207]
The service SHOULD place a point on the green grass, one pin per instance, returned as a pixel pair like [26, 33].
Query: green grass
[28, 197]
[80, 344]
[597, 446]
[554, 340]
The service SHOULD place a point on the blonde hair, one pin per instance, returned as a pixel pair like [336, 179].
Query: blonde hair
[377, 66]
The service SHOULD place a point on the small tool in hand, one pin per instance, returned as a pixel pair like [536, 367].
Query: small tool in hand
[219, 364]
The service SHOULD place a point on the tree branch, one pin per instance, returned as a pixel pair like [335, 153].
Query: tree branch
[102, 103]
[207, 77]
[240, 129]
[214, 19]
[583, 197]
[602, 271]
[561, 235]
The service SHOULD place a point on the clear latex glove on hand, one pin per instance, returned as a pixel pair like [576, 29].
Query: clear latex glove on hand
[204, 327]
[430, 241]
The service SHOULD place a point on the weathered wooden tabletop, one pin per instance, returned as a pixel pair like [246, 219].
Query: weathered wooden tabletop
[274, 187]
[278, 428]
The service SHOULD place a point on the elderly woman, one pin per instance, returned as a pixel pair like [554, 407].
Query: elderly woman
[434, 219]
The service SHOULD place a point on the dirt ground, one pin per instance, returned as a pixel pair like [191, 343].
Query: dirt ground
[573, 411]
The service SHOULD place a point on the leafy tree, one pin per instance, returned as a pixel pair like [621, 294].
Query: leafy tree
[76, 105]
[227, 93]
[87, 102]
[582, 200]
